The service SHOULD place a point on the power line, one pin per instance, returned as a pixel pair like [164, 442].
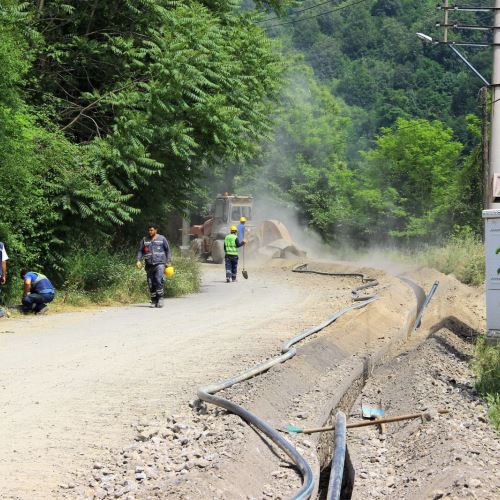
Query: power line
[352, 4]
[336, 43]
[294, 12]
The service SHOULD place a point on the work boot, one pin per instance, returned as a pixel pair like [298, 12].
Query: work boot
[43, 310]
[154, 302]
[160, 302]
[228, 280]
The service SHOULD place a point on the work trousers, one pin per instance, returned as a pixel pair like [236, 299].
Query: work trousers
[155, 280]
[2, 312]
[36, 301]
[231, 266]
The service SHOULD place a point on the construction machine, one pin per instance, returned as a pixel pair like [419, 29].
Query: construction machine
[268, 238]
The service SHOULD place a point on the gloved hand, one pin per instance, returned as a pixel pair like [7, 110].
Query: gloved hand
[138, 264]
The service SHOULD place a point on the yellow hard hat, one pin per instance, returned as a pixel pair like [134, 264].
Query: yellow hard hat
[242, 219]
[169, 271]
[234, 229]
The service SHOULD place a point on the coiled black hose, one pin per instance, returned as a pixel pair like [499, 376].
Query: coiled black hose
[207, 394]
[367, 282]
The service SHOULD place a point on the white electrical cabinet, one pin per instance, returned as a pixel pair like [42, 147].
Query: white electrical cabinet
[492, 249]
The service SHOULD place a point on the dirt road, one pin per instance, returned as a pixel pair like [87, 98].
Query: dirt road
[72, 385]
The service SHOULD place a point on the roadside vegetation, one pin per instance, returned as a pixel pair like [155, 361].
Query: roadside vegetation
[487, 369]
[461, 255]
[105, 279]
[111, 114]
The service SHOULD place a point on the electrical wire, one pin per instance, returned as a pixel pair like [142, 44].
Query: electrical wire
[294, 13]
[342, 7]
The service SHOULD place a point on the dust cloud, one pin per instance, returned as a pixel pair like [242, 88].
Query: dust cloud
[387, 258]
[303, 235]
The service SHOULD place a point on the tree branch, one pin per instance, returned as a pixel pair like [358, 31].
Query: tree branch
[93, 104]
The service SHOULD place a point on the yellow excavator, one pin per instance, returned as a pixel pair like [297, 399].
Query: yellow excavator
[267, 238]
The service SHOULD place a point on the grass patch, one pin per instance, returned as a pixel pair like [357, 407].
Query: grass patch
[104, 279]
[462, 255]
[486, 366]
[187, 277]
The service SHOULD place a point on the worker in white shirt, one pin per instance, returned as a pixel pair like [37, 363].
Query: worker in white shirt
[3, 272]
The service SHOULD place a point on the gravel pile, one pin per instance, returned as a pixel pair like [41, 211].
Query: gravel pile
[167, 453]
[446, 456]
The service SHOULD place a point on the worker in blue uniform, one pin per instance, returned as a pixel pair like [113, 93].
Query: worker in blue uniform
[241, 228]
[155, 251]
[38, 291]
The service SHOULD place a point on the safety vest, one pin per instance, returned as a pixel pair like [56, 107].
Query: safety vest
[42, 284]
[1, 257]
[230, 243]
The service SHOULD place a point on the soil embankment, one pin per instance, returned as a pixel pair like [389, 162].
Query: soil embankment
[451, 456]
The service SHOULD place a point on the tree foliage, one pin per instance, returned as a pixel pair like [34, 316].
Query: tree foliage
[106, 106]
[409, 164]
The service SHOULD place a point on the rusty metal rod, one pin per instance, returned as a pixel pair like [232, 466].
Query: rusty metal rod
[371, 422]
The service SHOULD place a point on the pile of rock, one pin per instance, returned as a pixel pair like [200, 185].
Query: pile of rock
[453, 456]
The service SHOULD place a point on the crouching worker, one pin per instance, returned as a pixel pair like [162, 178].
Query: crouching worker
[38, 292]
[231, 245]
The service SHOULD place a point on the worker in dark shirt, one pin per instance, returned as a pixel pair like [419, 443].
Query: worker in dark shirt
[155, 251]
[231, 245]
[37, 293]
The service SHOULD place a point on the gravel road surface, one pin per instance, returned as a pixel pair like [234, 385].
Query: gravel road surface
[72, 384]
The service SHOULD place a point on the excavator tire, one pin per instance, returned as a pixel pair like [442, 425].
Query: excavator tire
[218, 251]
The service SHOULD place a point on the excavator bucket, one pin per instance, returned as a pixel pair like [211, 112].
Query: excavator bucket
[276, 241]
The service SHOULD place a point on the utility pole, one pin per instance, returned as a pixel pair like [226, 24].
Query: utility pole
[491, 168]
[445, 34]
[493, 188]
[485, 147]
[491, 214]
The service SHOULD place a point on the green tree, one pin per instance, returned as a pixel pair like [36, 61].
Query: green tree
[108, 109]
[418, 160]
[304, 166]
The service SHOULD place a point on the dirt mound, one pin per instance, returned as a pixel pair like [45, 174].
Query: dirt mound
[454, 455]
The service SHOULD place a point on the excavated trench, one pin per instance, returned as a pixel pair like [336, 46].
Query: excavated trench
[325, 444]
[350, 385]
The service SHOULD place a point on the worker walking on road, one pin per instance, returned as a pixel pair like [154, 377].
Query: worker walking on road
[3, 272]
[37, 293]
[155, 251]
[231, 245]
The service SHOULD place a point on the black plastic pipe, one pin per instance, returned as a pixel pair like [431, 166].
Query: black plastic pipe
[338, 461]
[207, 393]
